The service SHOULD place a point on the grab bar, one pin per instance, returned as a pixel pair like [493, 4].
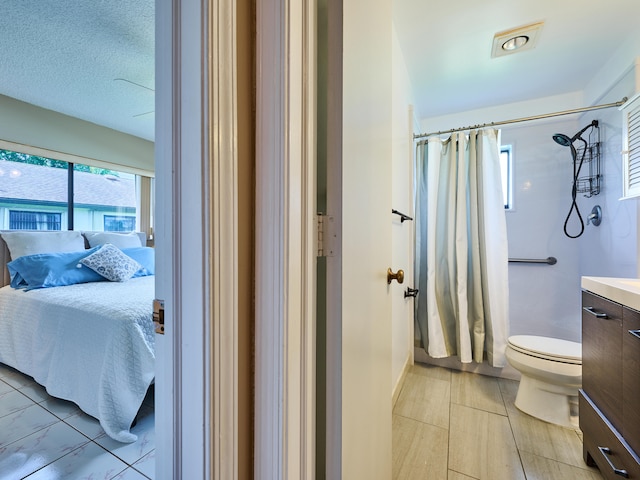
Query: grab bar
[548, 260]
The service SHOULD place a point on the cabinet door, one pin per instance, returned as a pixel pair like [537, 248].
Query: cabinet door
[631, 377]
[602, 355]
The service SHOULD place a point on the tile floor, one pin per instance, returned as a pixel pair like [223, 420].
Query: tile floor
[46, 438]
[451, 425]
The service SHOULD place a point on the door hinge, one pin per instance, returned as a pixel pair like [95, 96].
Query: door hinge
[158, 315]
[326, 235]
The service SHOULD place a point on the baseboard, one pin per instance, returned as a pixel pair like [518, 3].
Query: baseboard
[398, 387]
[420, 356]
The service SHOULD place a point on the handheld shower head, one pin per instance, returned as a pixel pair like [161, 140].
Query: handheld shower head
[562, 139]
[565, 141]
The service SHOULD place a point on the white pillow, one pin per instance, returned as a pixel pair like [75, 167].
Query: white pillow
[111, 263]
[120, 240]
[30, 243]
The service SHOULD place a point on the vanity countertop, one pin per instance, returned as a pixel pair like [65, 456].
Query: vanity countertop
[625, 291]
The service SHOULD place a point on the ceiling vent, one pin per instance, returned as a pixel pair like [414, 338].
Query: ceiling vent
[516, 39]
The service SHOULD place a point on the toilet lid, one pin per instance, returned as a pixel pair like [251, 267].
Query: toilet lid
[546, 347]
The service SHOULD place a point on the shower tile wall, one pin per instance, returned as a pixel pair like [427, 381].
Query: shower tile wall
[544, 299]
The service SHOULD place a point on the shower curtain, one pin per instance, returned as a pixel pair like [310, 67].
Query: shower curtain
[461, 256]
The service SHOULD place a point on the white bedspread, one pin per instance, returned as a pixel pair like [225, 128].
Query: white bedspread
[90, 343]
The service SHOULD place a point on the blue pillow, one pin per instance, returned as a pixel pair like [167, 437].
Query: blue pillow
[51, 270]
[145, 256]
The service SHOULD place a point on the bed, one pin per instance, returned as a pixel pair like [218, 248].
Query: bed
[90, 342]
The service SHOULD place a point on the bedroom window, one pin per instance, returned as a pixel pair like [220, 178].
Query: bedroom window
[39, 193]
[114, 223]
[21, 220]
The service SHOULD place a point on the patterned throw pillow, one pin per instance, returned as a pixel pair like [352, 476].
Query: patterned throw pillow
[111, 263]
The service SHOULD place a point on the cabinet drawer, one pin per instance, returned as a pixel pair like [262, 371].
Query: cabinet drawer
[603, 444]
[631, 377]
[602, 355]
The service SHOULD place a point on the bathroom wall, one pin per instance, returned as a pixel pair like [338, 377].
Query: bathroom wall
[611, 250]
[402, 232]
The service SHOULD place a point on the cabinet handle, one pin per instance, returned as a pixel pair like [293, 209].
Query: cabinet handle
[635, 333]
[594, 313]
[605, 451]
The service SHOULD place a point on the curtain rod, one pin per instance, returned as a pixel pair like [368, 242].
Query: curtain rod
[523, 119]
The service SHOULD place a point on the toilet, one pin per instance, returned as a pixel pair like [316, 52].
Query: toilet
[551, 374]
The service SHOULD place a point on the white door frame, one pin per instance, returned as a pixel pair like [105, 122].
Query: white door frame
[196, 239]
[285, 240]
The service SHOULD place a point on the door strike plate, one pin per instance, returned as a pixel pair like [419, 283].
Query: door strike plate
[158, 315]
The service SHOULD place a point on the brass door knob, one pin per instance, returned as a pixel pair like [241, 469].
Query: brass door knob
[399, 277]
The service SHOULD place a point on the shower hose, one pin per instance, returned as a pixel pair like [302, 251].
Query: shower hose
[574, 192]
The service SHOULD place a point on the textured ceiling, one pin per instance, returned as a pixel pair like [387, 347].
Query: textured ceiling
[95, 59]
[69, 56]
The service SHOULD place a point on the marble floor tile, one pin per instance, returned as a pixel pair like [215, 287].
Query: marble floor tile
[130, 474]
[35, 392]
[477, 391]
[419, 450]
[132, 452]
[5, 388]
[38, 450]
[87, 462]
[42, 437]
[481, 445]
[60, 408]
[23, 423]
[147, 464]
[13, 401]
[85, 424]
[424, 399]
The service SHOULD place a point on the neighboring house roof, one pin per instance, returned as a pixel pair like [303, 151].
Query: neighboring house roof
[24, 181]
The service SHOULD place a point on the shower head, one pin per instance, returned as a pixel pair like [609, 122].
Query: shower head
[562, 139]
[565, 141]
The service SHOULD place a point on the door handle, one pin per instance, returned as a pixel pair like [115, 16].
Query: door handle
[591, 311]
[398, 276]
[605, 451]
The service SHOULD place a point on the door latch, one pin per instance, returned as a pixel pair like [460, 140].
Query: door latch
[158, 315]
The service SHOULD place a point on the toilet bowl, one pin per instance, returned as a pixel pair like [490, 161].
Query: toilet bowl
[551, 374]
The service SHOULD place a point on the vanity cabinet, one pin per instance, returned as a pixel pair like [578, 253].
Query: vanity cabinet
[610, 394]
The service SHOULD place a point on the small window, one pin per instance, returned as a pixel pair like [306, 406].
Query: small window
[119, 223]
[22, 220]
[506, 170]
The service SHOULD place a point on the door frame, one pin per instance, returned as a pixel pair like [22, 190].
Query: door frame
[286, 236]
[196, 239]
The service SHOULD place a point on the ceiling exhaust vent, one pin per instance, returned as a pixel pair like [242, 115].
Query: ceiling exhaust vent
[516, 39]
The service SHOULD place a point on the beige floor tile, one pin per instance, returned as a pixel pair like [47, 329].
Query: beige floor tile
[424, 399]
[540, 468]
[419, 450]
[458, 476]
[482, 445]
[477, 391]
[432, 371]
[545, 439]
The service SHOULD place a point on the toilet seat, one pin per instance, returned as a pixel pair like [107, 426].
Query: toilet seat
[546, 348]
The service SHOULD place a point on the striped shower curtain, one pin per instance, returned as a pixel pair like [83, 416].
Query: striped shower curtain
[461, 256]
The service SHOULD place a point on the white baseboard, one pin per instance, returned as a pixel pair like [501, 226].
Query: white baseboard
[420, 356]
[398, 387]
